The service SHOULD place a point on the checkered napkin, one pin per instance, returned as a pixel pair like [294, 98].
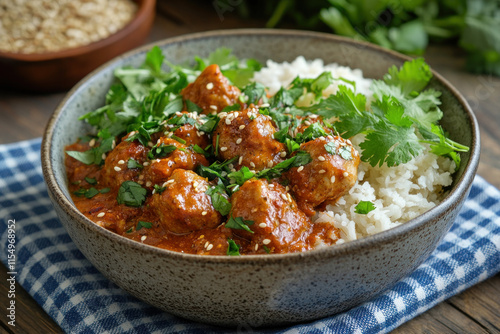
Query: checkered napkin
[81, 300]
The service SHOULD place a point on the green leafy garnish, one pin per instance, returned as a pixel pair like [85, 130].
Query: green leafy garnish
[161, 151]
[363, 207]
[131, 163]
[159, 189]
[219, 199]
[239, 223]
[90, 180]
[131, 194]
[232, 248]
[91, 192]
[142, 224]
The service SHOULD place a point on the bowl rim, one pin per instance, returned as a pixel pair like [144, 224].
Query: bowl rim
[462, 185]
[144, 9]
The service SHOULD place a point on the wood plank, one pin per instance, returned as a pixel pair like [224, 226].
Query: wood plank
[30, 317]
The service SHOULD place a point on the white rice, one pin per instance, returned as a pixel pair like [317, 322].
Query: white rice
[398, 193]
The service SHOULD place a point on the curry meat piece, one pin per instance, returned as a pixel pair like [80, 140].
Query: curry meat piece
[211, 91]
[115, 170]
[248, 135]
[158, 170]
[328, 176]
[278, 223]
[184, 206]
[188, 132]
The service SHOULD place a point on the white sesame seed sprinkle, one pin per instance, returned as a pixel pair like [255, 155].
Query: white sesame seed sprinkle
[113, 144]
[332, 179]
[223, 148]
[204, 213]
[103, 156]
[146, 163]
[322, 171]
[289, 197]
[346, 174]
[266, 241]
[141, 177]
[271, 185]
[238, 141]
[143, 238]
[210, 86]
[241, 127]
[330, 137]
[228, 121]
[283, 154]
[284, 197]
[263, 225]
[270, 164]
[206, 244]
[254, 210]
[121, 162]
[210, 247]
[300, 169]
[101, 214]
[321, 158]
[252, 164]
[264, 105]
[256, 246]
[240, 160]
[322, 138]
[214, 107]
[148, 184]
[92, 142]
[307, 123]
[116, 168]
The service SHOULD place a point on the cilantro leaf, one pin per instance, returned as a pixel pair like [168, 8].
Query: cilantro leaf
[161, 151]
[363, 207]
[131, 194]
[413, 76]
[239, 223]
[232, 248]
[142, 224]
[131, 163]
[219, 199]
[91, 180]
[154, 59]
[241, 176]
[159, 189]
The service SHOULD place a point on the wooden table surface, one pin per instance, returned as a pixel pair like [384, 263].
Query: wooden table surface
[476, 310]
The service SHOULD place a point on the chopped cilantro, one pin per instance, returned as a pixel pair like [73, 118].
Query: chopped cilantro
[131, 194]
[142, 224]
[232, 248]
[364, 207]
[91, 192]
[161, 151]
[159, 189]
[131, 163]
[104, 190]
[345, 152]
[90, 180]
[219, 199]
[266, 249]
[180, 140]
[239, 223]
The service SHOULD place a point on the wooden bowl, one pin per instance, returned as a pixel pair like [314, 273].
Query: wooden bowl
[258, 290]
[60, 70]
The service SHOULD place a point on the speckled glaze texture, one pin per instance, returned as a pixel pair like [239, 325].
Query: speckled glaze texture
[258, 290]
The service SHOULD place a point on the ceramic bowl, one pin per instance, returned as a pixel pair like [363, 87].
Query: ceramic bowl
[61, 70]
[258, 290]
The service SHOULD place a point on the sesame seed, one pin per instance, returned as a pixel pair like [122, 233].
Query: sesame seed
[307, 123]
[289, 197]
[210, 247]
[264, 105]
[346, 174]
[146, 163]
[284, 197]
[148, 184]
[240, 160]
[332, 179]
[92, 142]
[210, 86]
[270, 164]
[322, 138]
[256, 246]
[101, 214]
[300, 169]
[201, 236]
[121, 162]
[283, 154]
[322, 171]
[266, 241]
[241, 127]
[287, 188]
[153, 192]
[254, 210]
[223, 148]
[143, 238]
[141, 177]
[213, 107]
[170, 181]
[195, 184]
[271, 185]
[204, 213]
[103, 156]
[113, 144]
[206, 244]
[117, 168]
[349, 142]
[150, 144]
[263, 225]
[321, 158]
[228, 121]
[330, 137]
[236, 114]
[252, 165]
[238, 141]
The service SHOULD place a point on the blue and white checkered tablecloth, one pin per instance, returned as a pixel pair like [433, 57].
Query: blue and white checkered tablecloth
[81, 300]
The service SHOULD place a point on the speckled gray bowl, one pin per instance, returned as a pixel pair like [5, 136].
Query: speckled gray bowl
[257, 290]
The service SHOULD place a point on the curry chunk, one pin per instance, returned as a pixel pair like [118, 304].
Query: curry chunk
[278, 224]
[180, 126]
[116, 170]
[330, 175]
[248, 135]
[184, 206]
[174, 156]
[211, 91]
